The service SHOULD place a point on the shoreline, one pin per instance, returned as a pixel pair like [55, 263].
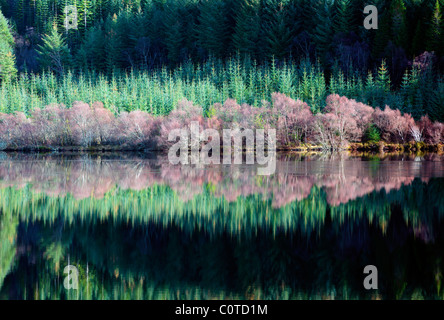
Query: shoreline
[381, 147]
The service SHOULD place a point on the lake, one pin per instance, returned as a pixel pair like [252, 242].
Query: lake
[136, 227]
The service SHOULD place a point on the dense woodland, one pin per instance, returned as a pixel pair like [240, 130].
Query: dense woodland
[150, 55]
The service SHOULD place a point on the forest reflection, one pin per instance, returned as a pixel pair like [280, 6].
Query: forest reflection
[145, 229]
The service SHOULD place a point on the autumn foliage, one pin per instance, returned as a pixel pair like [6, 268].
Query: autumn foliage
[342, 122]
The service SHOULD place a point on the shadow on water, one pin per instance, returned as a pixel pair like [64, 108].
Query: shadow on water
[141, 228]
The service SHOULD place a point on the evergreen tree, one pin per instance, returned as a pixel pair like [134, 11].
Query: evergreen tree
[248, 27]
[277, 29]
[112, 44]
[344, 19]
[435, 33]
[8, 70]
[174, 37]
[213, 29]
[399, 23]
[54, 52]
[323, 31]
[84, 12]
[92, 50]
[383, 35]
[5, 32]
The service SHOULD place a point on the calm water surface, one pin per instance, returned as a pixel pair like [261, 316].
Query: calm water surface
[140, 228]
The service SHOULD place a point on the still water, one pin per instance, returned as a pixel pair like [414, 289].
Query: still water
[137, 227]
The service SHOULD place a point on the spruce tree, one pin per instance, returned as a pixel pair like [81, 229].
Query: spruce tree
[54, 52]
[435, 36]
[399, 23]
[383, 35]
[112, 44]
[277, 29]
[84, 12]
[383, 79]
[5, 32]
[213, 28]
[323, 31]
[344, 20]
[248, 27]
[8, 70]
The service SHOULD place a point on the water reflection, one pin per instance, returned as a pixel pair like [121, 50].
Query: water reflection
[147, 230]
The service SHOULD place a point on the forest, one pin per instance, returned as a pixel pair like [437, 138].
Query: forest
[307, 68]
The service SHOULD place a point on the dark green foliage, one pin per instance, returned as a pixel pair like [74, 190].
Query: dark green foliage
[323, 31]
[213, 28]
[372, 134]
[344, 17]
[436, 30]
[277, 28]
[8, 70]
[398, 23]
[54, 54]
[248, 28]
[120, 35]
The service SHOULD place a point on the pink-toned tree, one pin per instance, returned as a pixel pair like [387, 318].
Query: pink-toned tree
[292, 119]
[105, 124]
[50, 125]
[81, 123]
[11, 133]
[394, 126]
[234, 115]
[344, 120]
[138, 129]
[433, 132]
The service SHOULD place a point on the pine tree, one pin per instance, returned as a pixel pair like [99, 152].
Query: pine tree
[213, 29]
[112, 44]
[174, 37]
[383, 79]
[435, 35]
[5, 32]
[277, 29]
[84, 12]
[248, 27]
[344, 20]
[383, 35]
[8, 70]
[92, 50]
[323, 31]
[54, 52]
[399, 23]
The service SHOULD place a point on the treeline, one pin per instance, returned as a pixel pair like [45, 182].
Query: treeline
[210, 51]
[343, 121]
[215, 81]
[146, 33]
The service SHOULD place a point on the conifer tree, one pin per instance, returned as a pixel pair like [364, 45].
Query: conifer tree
[436, 33]
[112, 44]
[213, 29]
[5, 32]
[8, 70]
[248, 26]
[399, 23]
[84, 12]
[344, 19]
[54, 52]
[323, 31]
[383, 35]
[277, 29]
[92, 50]
[383, 79]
